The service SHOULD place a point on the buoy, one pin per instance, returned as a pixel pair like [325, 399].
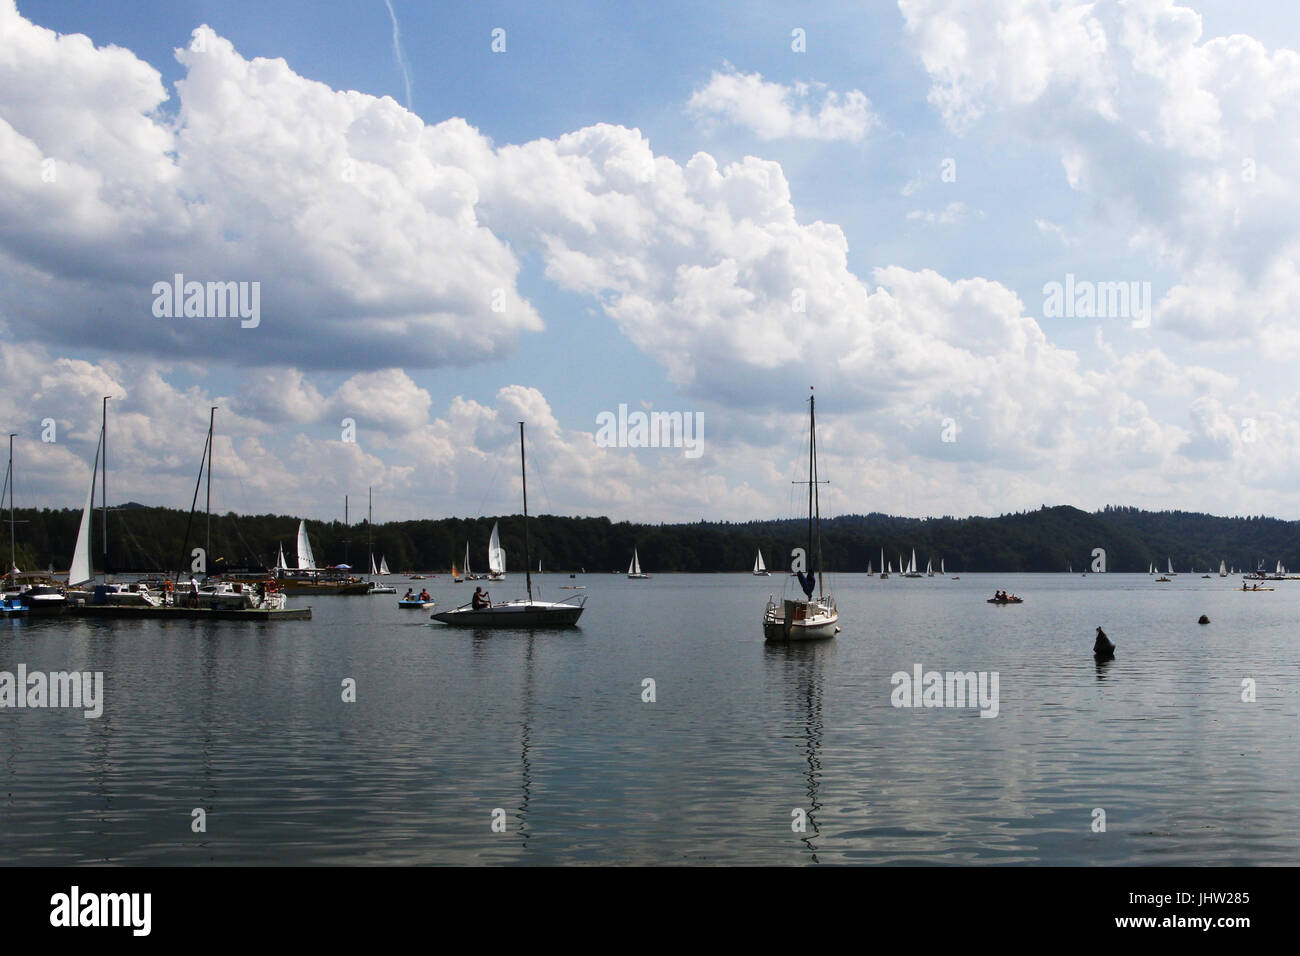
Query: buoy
[1203, 620]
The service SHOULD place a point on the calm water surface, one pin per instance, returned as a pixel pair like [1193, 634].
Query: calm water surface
[247, 721]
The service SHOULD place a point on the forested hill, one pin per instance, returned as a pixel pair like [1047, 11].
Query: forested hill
[1050, 539]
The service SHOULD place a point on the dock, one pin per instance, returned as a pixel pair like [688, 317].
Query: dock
[132, 612]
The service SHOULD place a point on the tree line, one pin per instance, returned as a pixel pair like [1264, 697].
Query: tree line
[142, 538]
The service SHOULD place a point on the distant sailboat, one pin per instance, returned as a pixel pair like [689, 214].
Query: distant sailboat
[634, 569]
[306, 560]
[760, 568]
[911, 567]
[942, 572]
[884, 571]
[279, 560]
[383, 566]
[1169, 565]
[1223, 569]
[870, 573]
[496, 557]
[375, 588]
[929, 568]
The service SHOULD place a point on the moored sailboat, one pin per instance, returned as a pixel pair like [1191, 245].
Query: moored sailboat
[808, 619]
[520, 612]
[634, 569]
[760, 569]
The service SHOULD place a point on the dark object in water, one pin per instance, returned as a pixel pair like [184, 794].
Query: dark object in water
[1102, 648]
[1203, 620]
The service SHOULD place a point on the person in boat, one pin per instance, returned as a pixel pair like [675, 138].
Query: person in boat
[409, 595]
[481, 599]
[1000, 595]
[1102, 648]
[424, 594]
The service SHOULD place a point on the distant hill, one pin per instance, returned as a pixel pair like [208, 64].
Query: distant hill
[1049, 539]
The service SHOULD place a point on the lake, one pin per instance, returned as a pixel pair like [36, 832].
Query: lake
[743, 743]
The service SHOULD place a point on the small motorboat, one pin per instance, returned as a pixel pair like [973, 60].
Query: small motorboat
[416, 604]
[382, 589]
[12, 607]
[1163, 579]
[1010, 600]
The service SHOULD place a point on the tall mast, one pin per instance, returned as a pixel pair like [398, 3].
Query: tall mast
[812, 467]
[13, 561]
[207, 539]
[103, 500]
[817, 501]
[370, 522]
[523, 472]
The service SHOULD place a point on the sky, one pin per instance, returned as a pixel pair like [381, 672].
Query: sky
[1027, 253]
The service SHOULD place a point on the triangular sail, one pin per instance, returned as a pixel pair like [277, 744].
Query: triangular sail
[467, 571]
[758, 562]
[279, 561]
[635, 566]
[373, 569]
[80, 571]
[306, 560]
[383, 565]
[496, 555]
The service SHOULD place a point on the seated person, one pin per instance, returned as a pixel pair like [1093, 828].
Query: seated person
[410, 595]
[424, 594]
[481, 599]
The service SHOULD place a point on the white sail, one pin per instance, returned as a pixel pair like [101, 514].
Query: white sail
[383, 565]
[911, 568]
[891, 567]
[941, 570]
[929, 567]
[759, 566]
[306, 560]
[467, 571]
[869, 571]
[496, 555]
[1223, 569]
[279, 561]
[373, 569]
[1170, 565]
[80, 572]
[1279, 568]
[635, 566]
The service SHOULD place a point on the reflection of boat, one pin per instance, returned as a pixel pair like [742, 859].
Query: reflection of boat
[521, 612]
[802, 673]
[806, 620]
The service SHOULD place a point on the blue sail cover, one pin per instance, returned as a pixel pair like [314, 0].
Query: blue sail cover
[807, 582]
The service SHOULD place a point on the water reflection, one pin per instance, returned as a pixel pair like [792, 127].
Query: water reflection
[802, 676]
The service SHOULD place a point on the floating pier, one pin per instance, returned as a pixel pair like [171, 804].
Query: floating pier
[134, 612]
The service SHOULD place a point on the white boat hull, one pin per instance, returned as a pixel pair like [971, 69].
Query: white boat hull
[800, 621]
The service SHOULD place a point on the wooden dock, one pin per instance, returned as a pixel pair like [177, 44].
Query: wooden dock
[132, 612]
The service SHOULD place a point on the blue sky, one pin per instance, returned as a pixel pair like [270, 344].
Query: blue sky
[1105, 142]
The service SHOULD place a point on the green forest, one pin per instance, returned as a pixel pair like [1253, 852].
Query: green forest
[143, 538]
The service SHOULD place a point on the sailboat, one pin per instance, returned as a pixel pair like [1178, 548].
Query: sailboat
[308, 579]
[870, 573]
[1169, 565]
[884, 571]
[370, 523]
[383, 567]
[520, 612]
[496, 557]
[1223, 569]
[942, 572]
[929, 568]
[469, 575]
[911, 567]
[25, 593]
[809, 619]
[455, 574]
[306, 560]
[760, 569]
[634, 569]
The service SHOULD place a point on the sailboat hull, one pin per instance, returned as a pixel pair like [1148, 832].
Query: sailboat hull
[513, 614]
[800, 621]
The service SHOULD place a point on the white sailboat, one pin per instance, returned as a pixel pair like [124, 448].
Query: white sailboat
[280, 564]
[884, 571]
[469, 575]
[942, 572]
[911, 567]
[306, 560]
[375, 587]
[634, 569]
[1169, 565]
[383, 566]
[808, 619]
[760, 569]
[496, 557]
[929, 568]
[870, 573]
[1223, 569]
[520, 612]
